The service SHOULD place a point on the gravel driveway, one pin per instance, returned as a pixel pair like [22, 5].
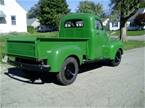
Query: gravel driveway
[103, 87]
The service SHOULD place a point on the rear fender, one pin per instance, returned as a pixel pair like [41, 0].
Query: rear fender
[114, 48]
[57, 56]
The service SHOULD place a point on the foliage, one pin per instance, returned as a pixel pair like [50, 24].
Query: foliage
[30, 29]
[142, 5]
[49, 12]
[1, 48]
[33, 12]
[90, 7]
[114, 16]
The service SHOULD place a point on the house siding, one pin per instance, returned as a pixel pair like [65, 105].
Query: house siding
[112, 27]
[131, 20]
[12, 8]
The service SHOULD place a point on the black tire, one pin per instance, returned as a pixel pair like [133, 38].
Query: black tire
[117, 59]
[68, 72]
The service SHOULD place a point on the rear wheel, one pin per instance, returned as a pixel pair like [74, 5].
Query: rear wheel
[68, 72]
[117, 59]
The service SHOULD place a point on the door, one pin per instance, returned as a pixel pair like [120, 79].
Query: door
[101, 39]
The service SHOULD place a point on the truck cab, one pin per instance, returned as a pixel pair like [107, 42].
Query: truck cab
[83, 25]
[81, 39]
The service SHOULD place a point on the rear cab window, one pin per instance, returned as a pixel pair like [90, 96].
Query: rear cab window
[74, 23]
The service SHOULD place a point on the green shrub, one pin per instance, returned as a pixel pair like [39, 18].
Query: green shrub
[31, 29]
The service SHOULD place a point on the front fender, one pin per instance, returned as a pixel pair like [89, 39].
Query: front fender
[57, 56]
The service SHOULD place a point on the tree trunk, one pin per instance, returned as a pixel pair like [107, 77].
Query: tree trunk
[123, 24]
[123, 32]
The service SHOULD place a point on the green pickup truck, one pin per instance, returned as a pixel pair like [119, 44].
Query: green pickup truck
[81, 39]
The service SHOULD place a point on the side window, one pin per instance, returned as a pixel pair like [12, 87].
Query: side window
[2, 2]
[114, 24]
[98, 25]
[75, 23]
[13, 20]
[2, 20]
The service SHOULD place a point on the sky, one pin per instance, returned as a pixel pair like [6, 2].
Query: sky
[73, 4]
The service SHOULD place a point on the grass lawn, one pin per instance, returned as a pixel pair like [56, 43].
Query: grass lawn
[127, 45]
[47, 34]
[130, 33]
[131, 44]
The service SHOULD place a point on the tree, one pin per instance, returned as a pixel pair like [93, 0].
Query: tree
[142, 5]
[127, 9]
[90, 7]
[49, 12]
[32, 13]
[114, 16]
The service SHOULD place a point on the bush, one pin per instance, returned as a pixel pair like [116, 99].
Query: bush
[30, 29]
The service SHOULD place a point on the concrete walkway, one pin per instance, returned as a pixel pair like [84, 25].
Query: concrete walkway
[139, 38]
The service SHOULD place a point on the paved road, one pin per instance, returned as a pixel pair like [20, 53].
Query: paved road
[103, 87]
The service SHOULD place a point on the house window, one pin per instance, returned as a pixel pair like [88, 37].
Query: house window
[2, 20]
[114, 24]
[1, 2]
[13, 20]
[75, 23]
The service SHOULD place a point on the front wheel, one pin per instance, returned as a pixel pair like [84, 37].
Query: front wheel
[68, 72]
[117, 59]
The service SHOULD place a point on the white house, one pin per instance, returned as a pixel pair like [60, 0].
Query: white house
[105, 21]
[34, 22]
[115, 25]
[12, 17]
[131, 20]
[111, 25]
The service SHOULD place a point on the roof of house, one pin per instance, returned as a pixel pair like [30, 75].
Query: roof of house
[31, 20]
[2, 14]
[140, 11]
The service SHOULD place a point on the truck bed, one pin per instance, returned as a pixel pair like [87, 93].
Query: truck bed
[37, 47]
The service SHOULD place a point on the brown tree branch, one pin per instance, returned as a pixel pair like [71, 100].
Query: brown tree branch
[131, 14]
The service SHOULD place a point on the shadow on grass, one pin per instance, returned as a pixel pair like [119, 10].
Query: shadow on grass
[46, 77]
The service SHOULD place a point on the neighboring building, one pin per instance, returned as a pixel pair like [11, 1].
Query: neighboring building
[115, 25]
[12, 17]
[34, 22]
[111, 25]
[130, 24]
[105, 21]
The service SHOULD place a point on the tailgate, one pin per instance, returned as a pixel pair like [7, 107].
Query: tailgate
[21, 47]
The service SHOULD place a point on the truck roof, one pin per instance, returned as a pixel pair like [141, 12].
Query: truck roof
[80, 15]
